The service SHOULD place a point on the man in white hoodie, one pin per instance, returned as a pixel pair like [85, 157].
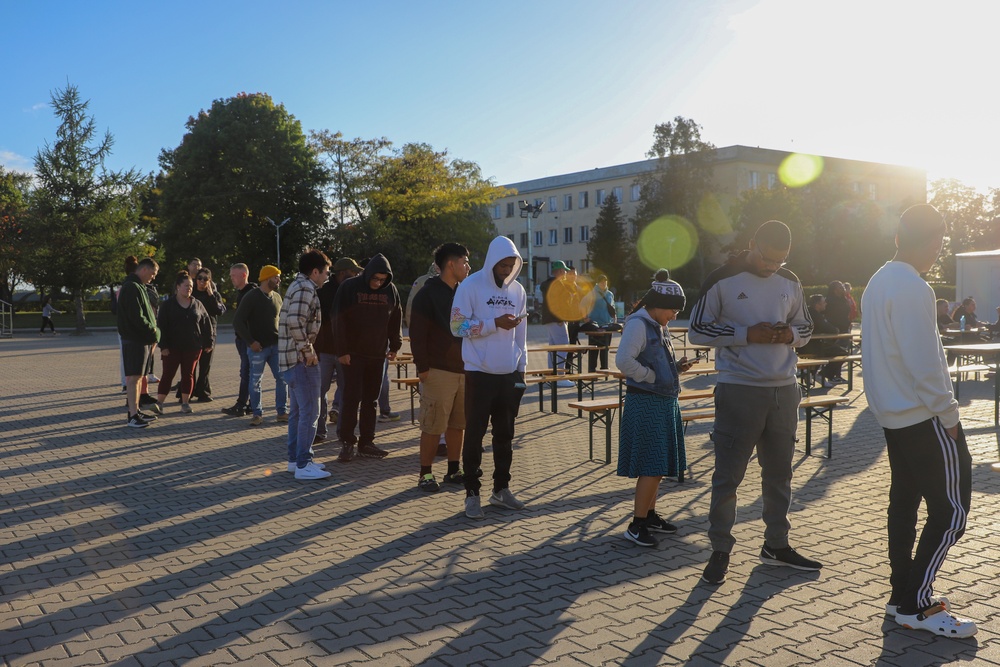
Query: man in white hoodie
[488, 313]
[910, 393]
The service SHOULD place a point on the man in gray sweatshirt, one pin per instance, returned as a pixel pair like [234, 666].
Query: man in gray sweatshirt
[753, 311]
[910, 393]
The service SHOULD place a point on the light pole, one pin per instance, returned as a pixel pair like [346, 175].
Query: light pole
[529, 211]
[277, 228]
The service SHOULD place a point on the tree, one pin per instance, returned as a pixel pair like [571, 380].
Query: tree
[608, 246]
[678, 186]
[81, 220]
[971, 222]
[404, 202]
[14, 189]
[241, 162]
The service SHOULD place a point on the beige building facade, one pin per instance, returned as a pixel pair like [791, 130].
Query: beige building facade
[571, 202]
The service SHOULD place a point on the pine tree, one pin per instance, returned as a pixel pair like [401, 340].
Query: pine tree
[608, 247]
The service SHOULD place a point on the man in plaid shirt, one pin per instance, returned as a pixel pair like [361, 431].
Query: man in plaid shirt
[298, 325]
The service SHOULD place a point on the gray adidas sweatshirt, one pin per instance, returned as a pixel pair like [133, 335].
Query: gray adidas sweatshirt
[733, 299]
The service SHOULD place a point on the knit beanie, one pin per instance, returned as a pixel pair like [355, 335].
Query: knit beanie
[665, 294]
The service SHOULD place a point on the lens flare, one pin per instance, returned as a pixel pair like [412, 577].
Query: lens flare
[798, 170]
[570, 299]
[712, 216]
[669, 241]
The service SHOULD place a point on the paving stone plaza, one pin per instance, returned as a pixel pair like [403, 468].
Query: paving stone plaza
[187, 543]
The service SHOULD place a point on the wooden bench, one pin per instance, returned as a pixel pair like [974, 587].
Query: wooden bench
[958, 371]
[413, 384]
[850, 360]
[582, 380]
[822, 407]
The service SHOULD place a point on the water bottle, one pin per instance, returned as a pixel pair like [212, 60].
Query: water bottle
[961, 324]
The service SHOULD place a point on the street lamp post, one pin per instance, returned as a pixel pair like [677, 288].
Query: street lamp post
[529, 211]
[277, 228]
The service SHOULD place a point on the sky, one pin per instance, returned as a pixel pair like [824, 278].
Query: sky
[524, 88]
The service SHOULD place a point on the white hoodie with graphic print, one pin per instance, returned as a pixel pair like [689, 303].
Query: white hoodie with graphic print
[478, 302]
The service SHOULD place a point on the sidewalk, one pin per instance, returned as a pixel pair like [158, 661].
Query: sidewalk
[187, 543]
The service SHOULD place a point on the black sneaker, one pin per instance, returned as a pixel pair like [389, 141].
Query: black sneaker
[146, 417]
[657, 525]
[234, 411]
[135, 421]
[787, 556]
[457, 477]
[428, 483]
[638, 533]
[346, 453]
[717, 568]
[372, 452]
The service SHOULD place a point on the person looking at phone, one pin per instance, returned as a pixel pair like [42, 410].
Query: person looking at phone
[488, 314]
[754, 312]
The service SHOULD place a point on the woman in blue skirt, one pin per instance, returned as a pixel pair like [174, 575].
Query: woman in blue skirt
[651, 437]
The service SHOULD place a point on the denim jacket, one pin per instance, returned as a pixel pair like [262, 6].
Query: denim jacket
[658, 356]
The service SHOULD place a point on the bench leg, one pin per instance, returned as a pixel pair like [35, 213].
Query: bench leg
[809, 416]
[850, 376]
[541, 397]
[829, 432]
[591, 418]
[413, 420]
[554, 388]
[609, 417]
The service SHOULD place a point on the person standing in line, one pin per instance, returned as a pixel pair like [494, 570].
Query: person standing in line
[138, 331]
[489, 312]
[437, 354]
[298, 326]
[186, 333]
[329, 367]
[47, 310]
[415, 288]
[753, 312]
[368, 318]
[555, 306]
[602, 314]
[210, 298]
[651, 434]
[910, 393]
[256, 323]
[239, 275]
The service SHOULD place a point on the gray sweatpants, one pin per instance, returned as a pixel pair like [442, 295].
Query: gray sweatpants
[748, 417]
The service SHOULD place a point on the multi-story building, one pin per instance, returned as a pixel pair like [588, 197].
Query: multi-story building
[571, 202]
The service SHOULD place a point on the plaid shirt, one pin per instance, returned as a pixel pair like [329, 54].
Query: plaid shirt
[298, 323]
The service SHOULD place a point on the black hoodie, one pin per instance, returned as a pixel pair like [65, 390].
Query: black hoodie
[367, 322]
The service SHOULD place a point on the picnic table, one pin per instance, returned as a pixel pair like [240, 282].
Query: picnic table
[568, 350]
[990, 355]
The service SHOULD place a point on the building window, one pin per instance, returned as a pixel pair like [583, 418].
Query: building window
[856, 187]
[567, 234]
[538, 203]
[636, 192]
[584, 199]
[552, 204]
[754, 181]
[553, 236]
[617, 192]
[585, 265]
[600, 197]
[496, 212]
[524, 240]
[510, 209]
[872, 191]
[538, 238]
[568, 202]
[772, 181]
[584, 233]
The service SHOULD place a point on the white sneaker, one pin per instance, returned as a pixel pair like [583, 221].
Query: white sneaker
[566, 384]
[893, 609]
[939, 621]
[474, 508]
[151, 378]
[504, 498]
[311, 471]
[293, 466]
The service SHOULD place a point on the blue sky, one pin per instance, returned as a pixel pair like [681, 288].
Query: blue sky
[525, 89]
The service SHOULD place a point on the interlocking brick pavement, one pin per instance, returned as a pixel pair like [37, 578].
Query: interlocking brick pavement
[187, 543]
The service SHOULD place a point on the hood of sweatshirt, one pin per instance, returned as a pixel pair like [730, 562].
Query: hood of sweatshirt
[377, 264]
[500, 249]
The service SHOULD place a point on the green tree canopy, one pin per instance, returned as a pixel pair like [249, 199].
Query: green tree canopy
[972, 221]
[608, 246]
[82, 217]
[404, 202]
[14, 189]
[241, 162]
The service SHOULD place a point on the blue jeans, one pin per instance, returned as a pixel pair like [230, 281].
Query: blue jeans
[244, 397]
[329, 372]
[383, 394]
[268, 356]
[303, 381]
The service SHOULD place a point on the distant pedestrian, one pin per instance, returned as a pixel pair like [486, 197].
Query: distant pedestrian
[138, 331]
[47, 310]
[298, 326]
[186, 332]
[239, 275]
[651, 434]
[256, 323]
[210, 298]
[437, 354]
[910, 393]
[489, 313]
[368, 317]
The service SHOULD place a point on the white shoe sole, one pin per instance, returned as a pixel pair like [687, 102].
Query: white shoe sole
[943, 624]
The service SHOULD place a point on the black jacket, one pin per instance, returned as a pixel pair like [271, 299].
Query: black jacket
[326, 294]
[213, 306]
[367, 322]
[431, 340]
[184, 328]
